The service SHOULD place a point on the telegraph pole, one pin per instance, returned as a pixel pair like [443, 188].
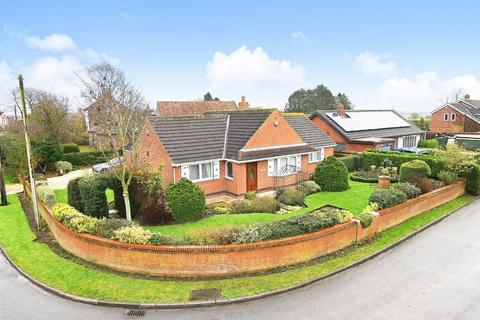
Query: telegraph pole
[3, 190]
[29, 152]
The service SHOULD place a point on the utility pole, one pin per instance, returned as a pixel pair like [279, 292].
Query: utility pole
[29, 152]
[3, 190]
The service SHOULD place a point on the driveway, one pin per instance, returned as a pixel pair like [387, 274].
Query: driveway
[433, 275]
[55, 183]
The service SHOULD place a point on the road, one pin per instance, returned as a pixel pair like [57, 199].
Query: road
[434, 275]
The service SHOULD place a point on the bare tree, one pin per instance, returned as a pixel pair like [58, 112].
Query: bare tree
[455, 96]
[121, 114]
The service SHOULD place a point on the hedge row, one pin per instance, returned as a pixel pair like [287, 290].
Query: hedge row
[376, 157]
[87, 158]
[353, 162]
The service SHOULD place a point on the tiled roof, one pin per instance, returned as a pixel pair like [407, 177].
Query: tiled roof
[373, 133]
[191, 139]
[467, 109]
[308, 131]
[192, 108]
[274, 152]
[475, 103]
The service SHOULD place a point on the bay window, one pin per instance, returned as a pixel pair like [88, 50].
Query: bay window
[201, 171]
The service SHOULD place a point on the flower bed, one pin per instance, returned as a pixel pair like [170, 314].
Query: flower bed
[223, 260]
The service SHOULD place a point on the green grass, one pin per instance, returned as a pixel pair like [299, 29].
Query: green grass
[354, 199]
[39, 261]
[87, 149]
[61, 195]
[8, 180]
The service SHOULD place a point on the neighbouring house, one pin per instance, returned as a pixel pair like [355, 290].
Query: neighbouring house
[456, 117]
[197, 108]
[4, 120]
[360, 130]
[234, 152]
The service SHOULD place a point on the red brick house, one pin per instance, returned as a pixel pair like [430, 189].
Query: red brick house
[197, 108]
[456, 117]
[360, 130]
[231, 153]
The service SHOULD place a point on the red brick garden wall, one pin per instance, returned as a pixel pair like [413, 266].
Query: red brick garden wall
[223, 260]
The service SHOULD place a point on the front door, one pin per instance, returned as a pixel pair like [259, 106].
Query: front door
[251, 176]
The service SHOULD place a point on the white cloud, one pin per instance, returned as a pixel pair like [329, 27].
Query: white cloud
[253, 73]
[298, 37]
[54, 42]
[7, 81]
[373, 64]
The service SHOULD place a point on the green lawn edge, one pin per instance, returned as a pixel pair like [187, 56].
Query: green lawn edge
[40, 262]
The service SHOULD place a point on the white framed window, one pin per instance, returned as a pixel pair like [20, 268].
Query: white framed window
[201, 171]
[409, 141]
[229, 170]
[445, 117]
[284, 166]
[453, 117]
[314, 157]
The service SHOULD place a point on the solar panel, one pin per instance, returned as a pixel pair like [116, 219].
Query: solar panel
[368, 120]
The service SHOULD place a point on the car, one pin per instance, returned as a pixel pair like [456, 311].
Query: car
[413, 150]
[107, 166]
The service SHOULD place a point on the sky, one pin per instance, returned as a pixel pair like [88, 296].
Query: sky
[406, 55]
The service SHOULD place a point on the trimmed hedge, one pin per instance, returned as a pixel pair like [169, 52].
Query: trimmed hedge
[70, 148]
[412, 169]
[388, 197]
[376, 157]
[332, 175]
[353, 162]
[186, 200]
[429, 144]
[471, 171]
[409, 189]
[87, 158]
[257, 205]
[292, 196]
[92, 191]
[74, 197]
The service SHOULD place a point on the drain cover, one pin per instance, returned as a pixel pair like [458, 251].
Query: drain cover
[205, 294]
[136, 313]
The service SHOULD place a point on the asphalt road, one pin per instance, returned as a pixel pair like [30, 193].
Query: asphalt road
[435, 275]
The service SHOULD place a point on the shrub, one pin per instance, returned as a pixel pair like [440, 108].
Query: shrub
[47, 195]
[448, 177]
[331, 175]
[309, 187]
[291, 196]
[63, 166]
[74, 198]
[352, 162]
[48, 153]
[370, 176]
[81, 223]
[107, 228]
[161, 239]
[260, 204]
[426, 184]
[371, 207]
[12, 152]
[186, 200]
[429, 143]
[376, 157]
[387, 197]
[70, 148]
[250, 195]
[409, 189]
[365, 219]
[207, 236]
[414, 168]
[92, 192]
[87, 158]
[471, 171]
[61, 209]
[132, 234]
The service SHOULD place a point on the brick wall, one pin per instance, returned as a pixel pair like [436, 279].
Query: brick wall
[227, 260]
[439, 125]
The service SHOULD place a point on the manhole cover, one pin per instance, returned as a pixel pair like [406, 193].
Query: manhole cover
[136, 313]
[205, 294]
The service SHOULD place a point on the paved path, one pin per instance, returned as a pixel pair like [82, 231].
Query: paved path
[435, 275]
[55, 183]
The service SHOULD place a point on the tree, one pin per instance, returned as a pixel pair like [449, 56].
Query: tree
[455, 96]
[121, 116]
[319, 98]
[208, 97]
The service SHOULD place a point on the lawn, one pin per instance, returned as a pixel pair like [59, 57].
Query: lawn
[87, 149]
[36, 259]
[353, 199]
[61, 195]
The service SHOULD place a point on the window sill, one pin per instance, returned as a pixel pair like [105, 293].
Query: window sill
[314, 161]
[228, 178]
[202, 180]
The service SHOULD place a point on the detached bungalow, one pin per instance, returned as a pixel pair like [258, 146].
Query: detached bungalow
[234, 152]
[360, 130]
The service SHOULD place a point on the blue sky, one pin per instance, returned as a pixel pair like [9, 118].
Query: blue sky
[383, 54]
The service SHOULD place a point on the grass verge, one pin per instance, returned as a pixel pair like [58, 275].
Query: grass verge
[38, 260]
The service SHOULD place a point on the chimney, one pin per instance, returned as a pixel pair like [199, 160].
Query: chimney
[466, 97]
[341, 110]
[243, 105]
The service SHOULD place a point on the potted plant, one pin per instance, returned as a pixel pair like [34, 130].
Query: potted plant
[384, 178]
